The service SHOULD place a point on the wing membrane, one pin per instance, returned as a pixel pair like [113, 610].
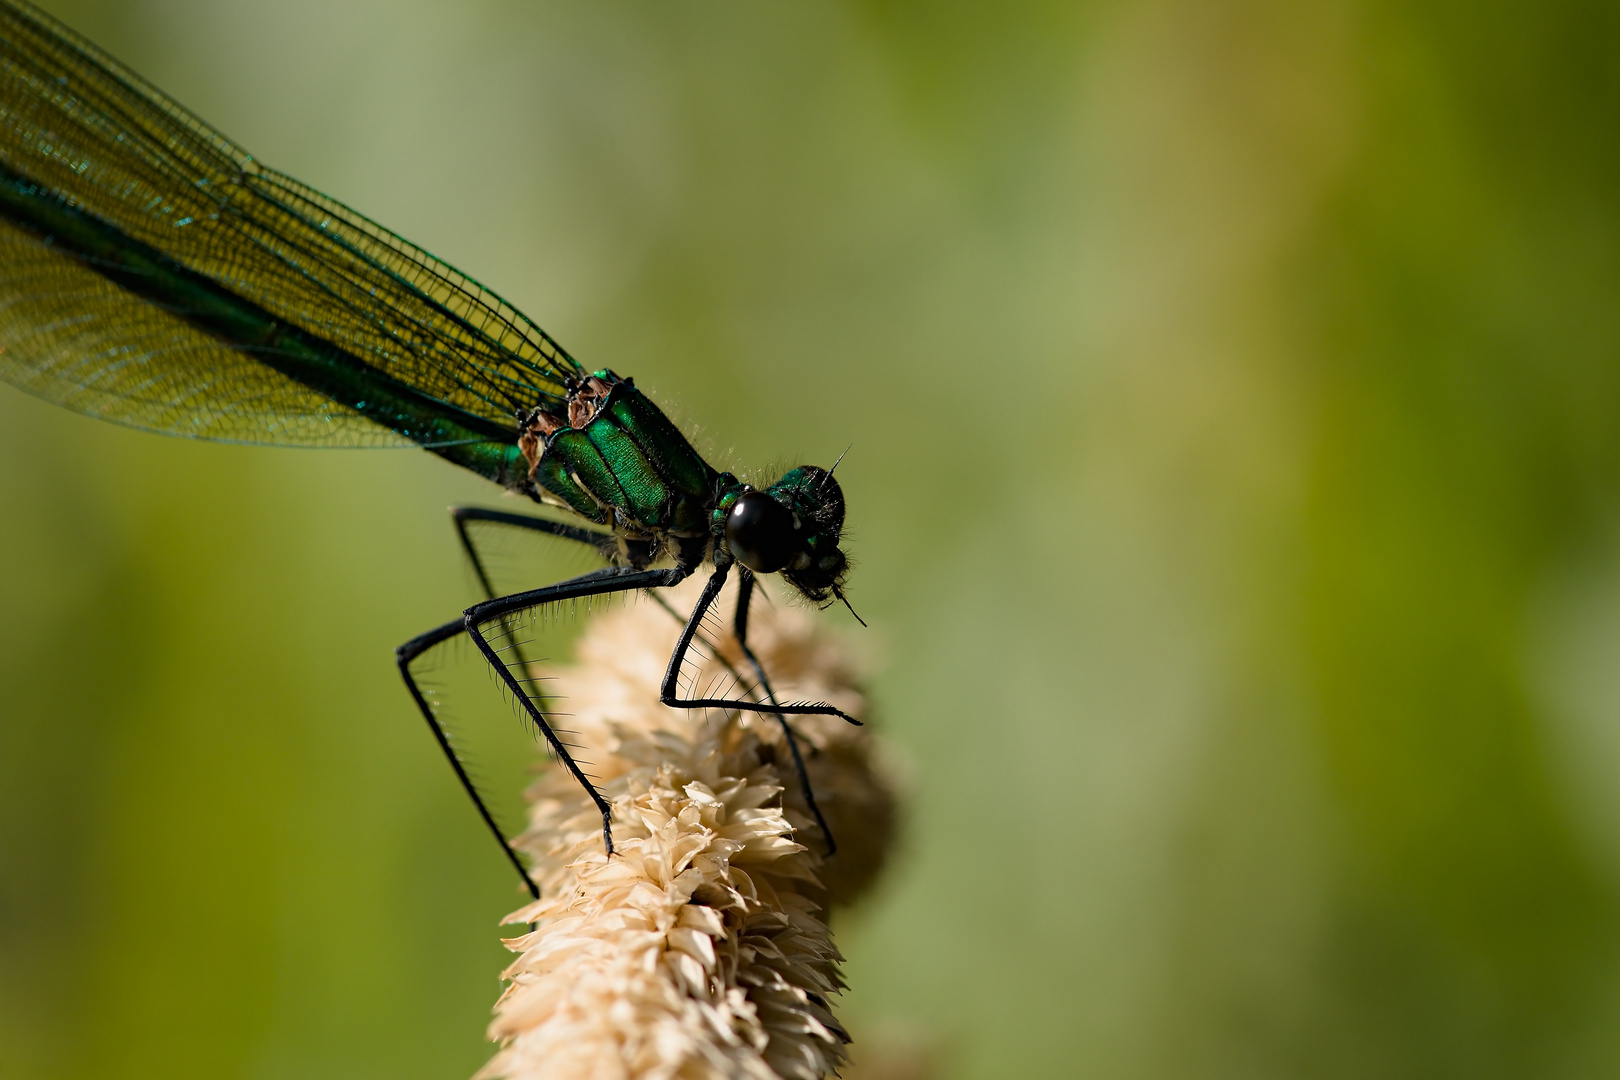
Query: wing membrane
[106, 145]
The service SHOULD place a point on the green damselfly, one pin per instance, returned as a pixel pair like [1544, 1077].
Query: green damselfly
[154, 274]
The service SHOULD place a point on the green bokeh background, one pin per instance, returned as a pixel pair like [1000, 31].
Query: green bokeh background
[1234, 392]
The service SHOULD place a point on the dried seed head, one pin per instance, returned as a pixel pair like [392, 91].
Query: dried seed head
[699, 949]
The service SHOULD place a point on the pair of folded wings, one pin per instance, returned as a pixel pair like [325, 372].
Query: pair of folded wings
[81, 126]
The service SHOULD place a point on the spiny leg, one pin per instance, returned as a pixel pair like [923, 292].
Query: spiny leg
[745, 593]
[408, 653]
[404, 656]
[668, 691]
[603, 542]
[596, 583]
[747, 579]
[464, 515]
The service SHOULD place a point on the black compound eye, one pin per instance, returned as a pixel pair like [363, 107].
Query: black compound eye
[760, 533]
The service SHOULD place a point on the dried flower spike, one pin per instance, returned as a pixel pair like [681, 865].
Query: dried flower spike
[698, 950]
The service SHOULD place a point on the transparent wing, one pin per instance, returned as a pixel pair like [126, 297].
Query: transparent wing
[76, 124]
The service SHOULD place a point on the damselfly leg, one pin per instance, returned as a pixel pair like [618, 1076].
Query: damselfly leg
[463, 516]
[604, 544]
[762, 686]
[668, 691]
[602, 582]
[745, 593]
[409, 652]
[404, 656]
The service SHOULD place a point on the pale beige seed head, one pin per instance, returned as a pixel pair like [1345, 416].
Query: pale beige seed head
[699, 950]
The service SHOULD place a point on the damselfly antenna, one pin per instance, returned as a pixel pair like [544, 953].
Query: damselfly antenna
[834, 468]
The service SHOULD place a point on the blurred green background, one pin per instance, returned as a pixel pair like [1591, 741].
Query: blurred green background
[1234, 391]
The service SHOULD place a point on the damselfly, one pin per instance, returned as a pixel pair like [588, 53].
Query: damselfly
[155, 275]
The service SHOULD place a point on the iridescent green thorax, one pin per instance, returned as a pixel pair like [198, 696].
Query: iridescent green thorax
[617, 460]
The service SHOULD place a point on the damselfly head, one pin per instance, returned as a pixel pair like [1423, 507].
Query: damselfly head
[792, 527]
